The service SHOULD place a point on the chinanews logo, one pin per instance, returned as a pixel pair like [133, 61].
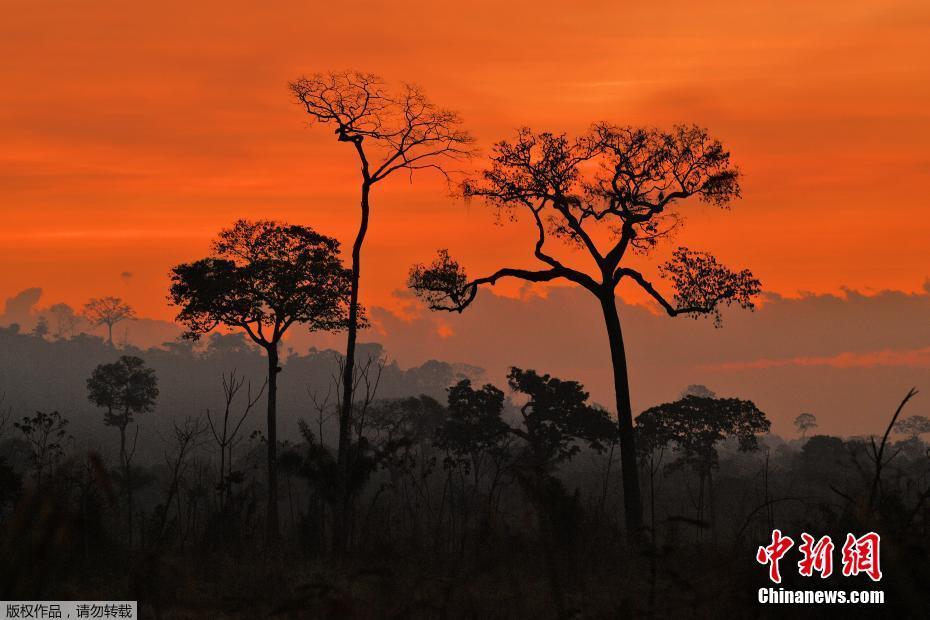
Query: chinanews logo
[859, 555]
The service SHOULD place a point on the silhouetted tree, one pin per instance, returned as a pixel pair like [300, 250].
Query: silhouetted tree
[265, 276]
[804, 422]
[65, 320]
[409, 427]
[185, 438]
[612, 192]
[474, 427]
[107, 311]
[823, 453]
[41, 328]
[45, 434]
[556, 418]
[226, 431]
[125, 388]
[389, 132]
[694, 425]
[913, 427]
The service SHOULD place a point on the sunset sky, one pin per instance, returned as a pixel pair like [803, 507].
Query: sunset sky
[130, 133]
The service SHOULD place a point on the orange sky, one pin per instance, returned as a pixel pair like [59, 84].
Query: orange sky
[131, 132]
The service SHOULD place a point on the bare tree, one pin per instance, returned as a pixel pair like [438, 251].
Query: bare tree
[108, 311]
[876, 452]
[185, 438]
[390, 132]
[611, 193]
[226, 435]
[45, 434]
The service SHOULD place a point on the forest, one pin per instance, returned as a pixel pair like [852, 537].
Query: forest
[225, 474]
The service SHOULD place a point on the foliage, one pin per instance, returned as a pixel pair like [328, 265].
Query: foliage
[45, 434]
[124, 388]
[554, 420]
[474, 425]
[804, 422]
[622, 184]
[107, 311]
[264, 277]
[557, 416]
[913, 426]
[694, 426]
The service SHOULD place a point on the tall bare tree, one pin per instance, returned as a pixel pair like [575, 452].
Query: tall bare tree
[612, 193]
[108, 311]
[390, 132]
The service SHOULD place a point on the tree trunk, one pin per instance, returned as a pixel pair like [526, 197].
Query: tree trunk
[124, 465]
[272, 532]
[340, 527]
[632, 501]
[122, 447]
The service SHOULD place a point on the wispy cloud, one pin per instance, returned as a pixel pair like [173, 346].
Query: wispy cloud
[916, 358]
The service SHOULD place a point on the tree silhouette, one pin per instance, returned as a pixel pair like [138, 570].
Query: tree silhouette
[65, 320]
[694, 425]
[265, 276]
[124, 388]
[45, 434]
[41, 328]
[555, 419]
[804, 422]
[913, 427]
[107, 311]
[612, 193]
[389, 132]
[226, 435]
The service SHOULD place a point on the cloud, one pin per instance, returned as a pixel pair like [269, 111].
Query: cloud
[917, 358]
[18, 308]
[844, 357]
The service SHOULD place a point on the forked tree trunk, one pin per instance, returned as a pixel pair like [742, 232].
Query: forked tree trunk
[272, 532]
[632, 501]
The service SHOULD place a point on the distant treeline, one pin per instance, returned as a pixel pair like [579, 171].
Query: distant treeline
[49, 373]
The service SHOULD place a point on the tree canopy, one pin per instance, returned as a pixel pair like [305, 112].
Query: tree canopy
[612, 191]
[694, 426]
[264, 276]
[124, 388]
